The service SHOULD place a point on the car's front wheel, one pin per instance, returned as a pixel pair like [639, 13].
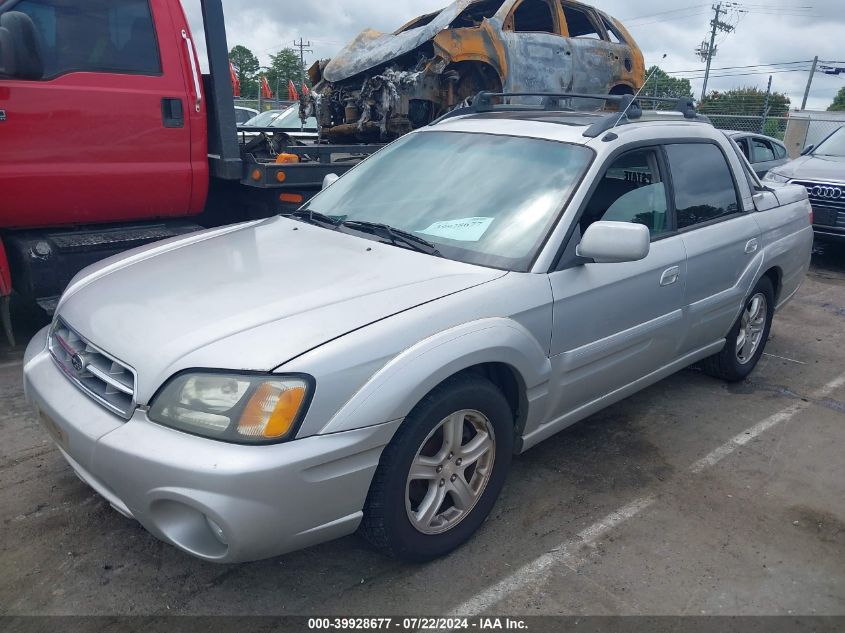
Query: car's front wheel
[441, 473]
[747, 338]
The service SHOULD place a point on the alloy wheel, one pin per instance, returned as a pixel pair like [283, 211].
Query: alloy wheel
[751, 328]
[450, 471]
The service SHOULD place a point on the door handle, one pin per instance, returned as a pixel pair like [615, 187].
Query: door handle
[751, 246]
[670, 276]
[171, 112]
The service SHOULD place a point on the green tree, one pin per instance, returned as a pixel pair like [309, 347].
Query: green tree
[838, 101]
[285, 66]
[747, 101]
[661, 84]
[246, 67]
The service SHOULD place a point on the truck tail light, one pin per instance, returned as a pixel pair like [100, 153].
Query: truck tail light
[295, 198]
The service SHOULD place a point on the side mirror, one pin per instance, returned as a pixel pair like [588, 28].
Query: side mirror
[328, 181]
[20, 46]
[615, 242]
[807, 150]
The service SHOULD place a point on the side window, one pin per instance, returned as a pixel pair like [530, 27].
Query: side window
[743, 145]
[534, 16]
[750, 176]
[762, 151]
[580, 24]
[612, 33]
[703, 186]
[475, 14]
[780, 150]
[114, 36]
[631, 190]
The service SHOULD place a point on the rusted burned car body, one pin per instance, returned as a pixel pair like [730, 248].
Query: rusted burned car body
[383, 85]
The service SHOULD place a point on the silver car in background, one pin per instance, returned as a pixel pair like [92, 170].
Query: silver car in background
[763, 152]
[821, 171]
[373, 361]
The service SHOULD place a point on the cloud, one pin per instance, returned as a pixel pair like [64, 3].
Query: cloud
[766, 33]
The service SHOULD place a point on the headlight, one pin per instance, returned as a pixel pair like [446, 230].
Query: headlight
[240, 408]
[773, 177]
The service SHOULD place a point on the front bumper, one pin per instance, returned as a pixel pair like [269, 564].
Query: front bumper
[220, 502]
[829, 233]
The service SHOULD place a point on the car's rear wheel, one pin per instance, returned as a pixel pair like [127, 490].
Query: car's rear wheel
[747, 338]
[441, 474]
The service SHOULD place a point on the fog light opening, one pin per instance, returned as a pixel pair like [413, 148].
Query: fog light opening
[189, 528]
[216, 530]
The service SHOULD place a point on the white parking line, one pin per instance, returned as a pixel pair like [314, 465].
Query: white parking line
[567, 553]
[538, 569]
[13, 363]
[773, 420]
[791, 360]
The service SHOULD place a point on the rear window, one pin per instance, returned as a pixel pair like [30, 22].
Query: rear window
[580, 24]
[111, 36]
[702, 183]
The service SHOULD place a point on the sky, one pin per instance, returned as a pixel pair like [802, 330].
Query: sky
[764, 34]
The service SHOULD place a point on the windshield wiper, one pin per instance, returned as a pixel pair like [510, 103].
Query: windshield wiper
[313, 217]
[393, 235]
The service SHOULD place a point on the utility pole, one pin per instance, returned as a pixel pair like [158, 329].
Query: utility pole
[766, 107]
[809, 82]
[304, 47]
[707, 50]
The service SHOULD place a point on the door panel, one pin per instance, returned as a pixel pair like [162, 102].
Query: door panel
[722, 242]
[538, 58]
[614, 323]
[88, 143]
[722, 261]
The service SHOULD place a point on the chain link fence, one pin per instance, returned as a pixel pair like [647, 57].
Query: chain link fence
[770, 126]
[797, 130]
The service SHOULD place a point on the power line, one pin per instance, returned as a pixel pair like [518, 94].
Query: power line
[678, 17]
[651, 15]
[760, 65]
[749, 74]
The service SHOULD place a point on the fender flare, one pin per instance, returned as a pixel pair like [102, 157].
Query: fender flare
[393, 391]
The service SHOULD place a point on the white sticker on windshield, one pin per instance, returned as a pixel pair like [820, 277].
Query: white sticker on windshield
[462, 229]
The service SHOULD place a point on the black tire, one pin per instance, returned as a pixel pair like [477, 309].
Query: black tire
[386, 523]
[726, 365]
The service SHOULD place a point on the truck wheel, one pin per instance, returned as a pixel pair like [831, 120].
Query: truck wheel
[747, 338]
[442, 472]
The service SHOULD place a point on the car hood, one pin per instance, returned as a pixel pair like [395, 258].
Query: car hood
[814, 167]
[250, 298]
[372, 48]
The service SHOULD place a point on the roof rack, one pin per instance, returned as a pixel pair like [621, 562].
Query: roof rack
[629, 109]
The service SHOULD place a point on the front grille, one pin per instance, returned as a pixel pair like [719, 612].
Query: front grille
[827, 200]
[102, 377]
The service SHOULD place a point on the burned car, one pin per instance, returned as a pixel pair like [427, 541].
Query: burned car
[383, 85]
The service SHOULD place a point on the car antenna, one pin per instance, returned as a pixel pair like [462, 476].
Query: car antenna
[634, 98]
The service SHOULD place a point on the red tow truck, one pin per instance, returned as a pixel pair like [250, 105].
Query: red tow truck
[110, 138]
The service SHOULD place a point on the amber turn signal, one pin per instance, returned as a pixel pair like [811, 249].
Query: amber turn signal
[271, 410]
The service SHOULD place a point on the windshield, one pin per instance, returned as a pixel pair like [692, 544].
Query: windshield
[289, 119]
[833, 145]
[264, 119]
[479, 198]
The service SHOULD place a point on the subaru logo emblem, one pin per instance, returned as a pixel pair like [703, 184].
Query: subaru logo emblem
[78, 362]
